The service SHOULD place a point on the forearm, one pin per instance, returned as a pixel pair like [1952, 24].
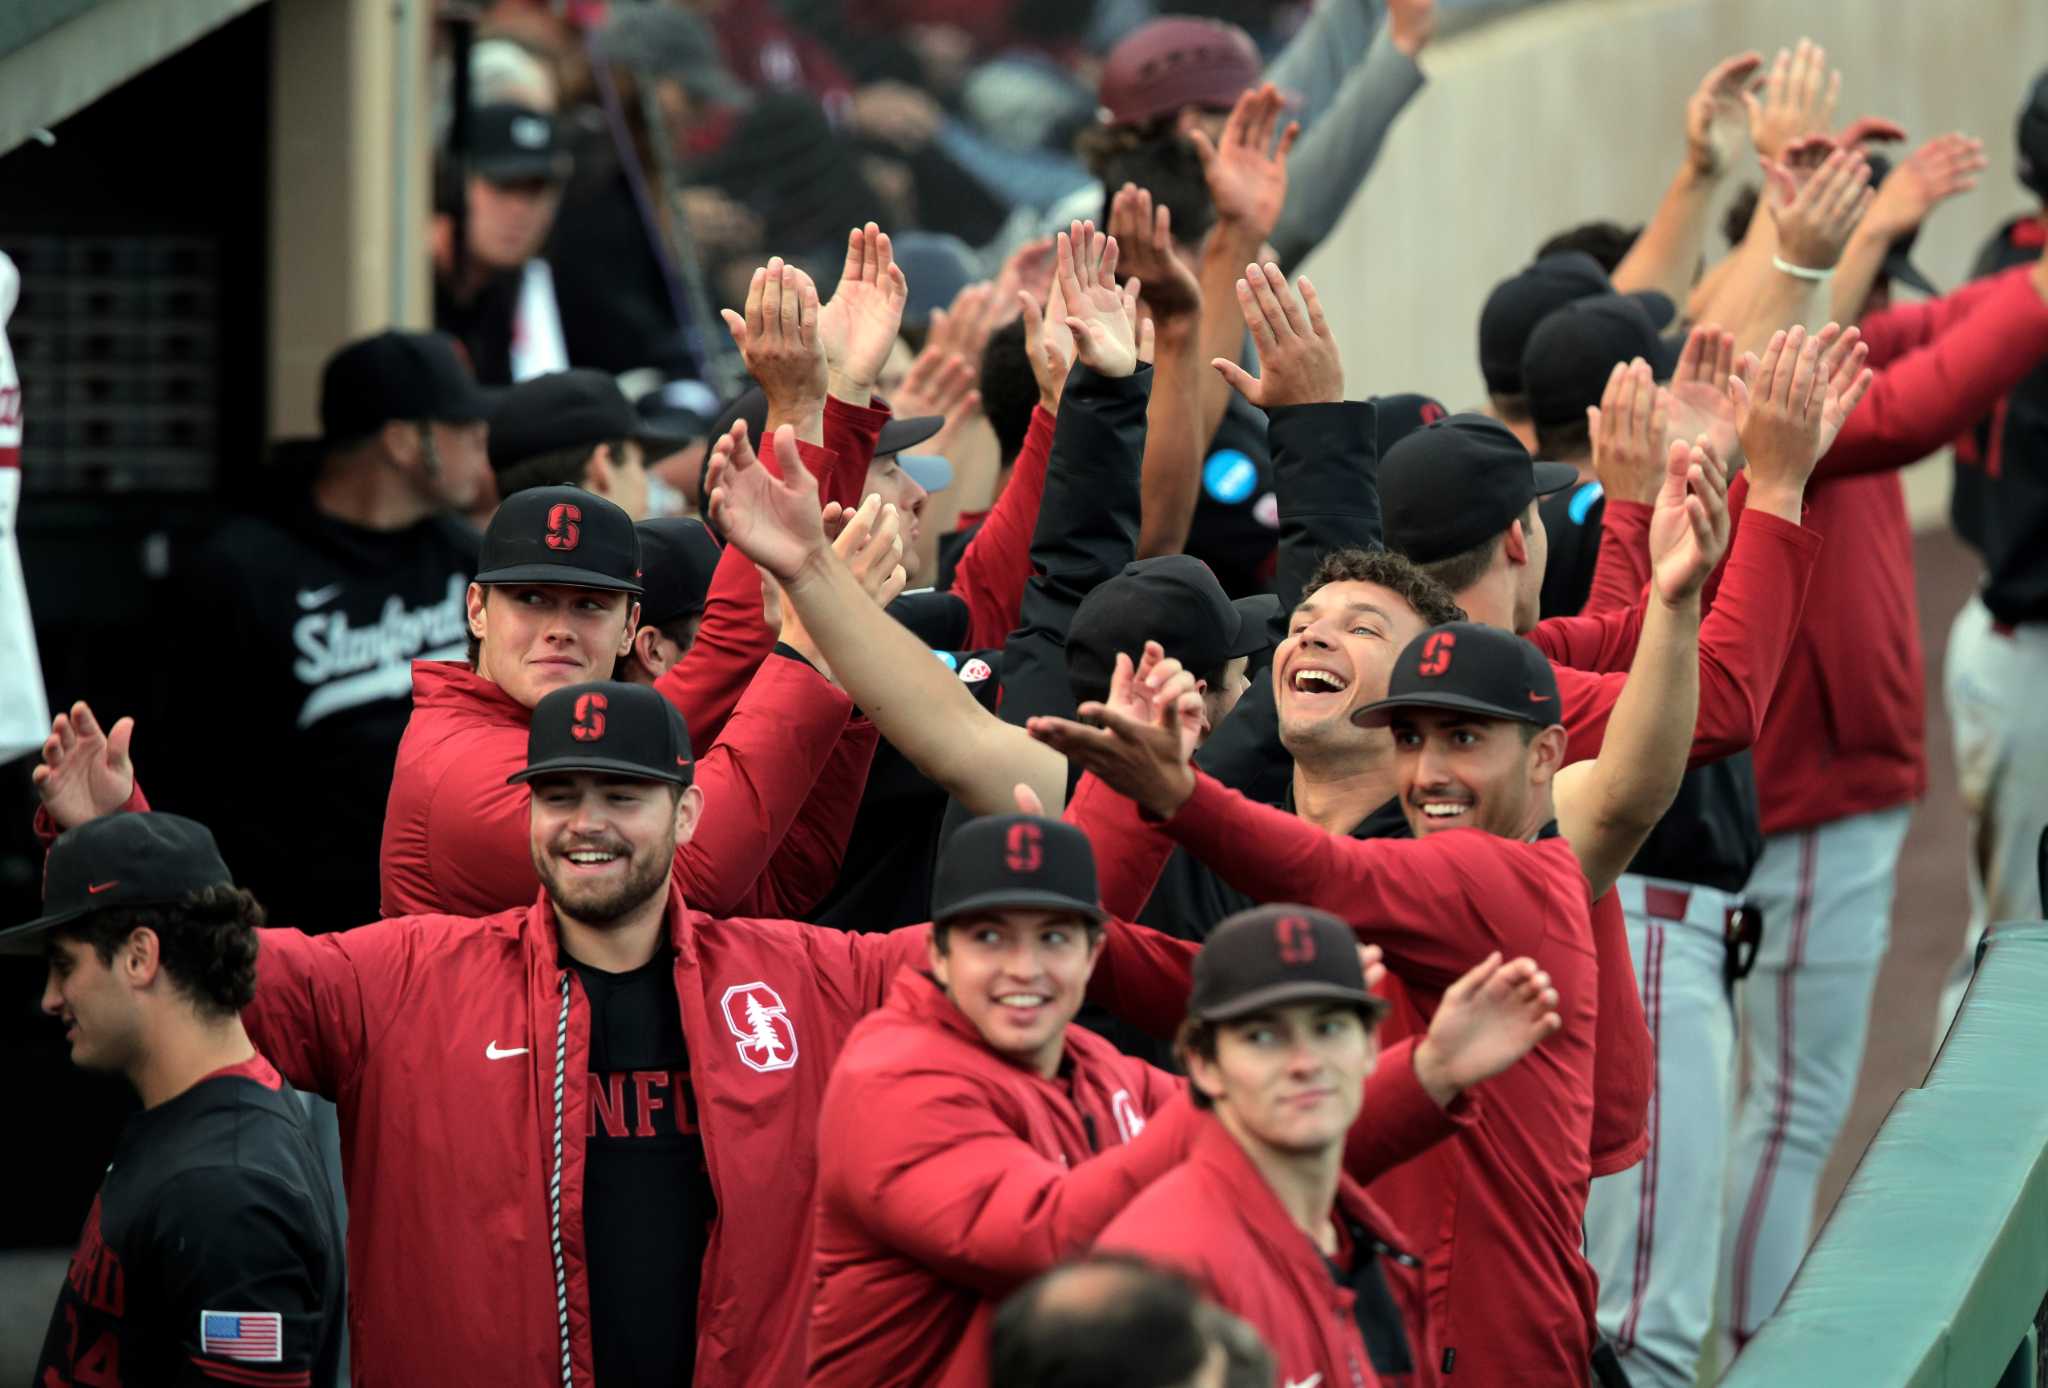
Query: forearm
[1337, 152]
[1668, 250]
[997, 563]
[1169, 478]
[1401, 1118]
[1855, 273]
[1229, 248]
[1760, 299]
[1623, 568]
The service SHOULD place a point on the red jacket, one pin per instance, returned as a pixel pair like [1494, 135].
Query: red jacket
[1846, 732]
[1496, 1216]
[996, 564]
[1215, 1219]
[448, 1155]
[950, 1176]
[783, 782]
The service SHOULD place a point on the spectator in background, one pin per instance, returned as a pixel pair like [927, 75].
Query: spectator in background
[576, 429]
[1105, 1322]
[499, 302]
[681, 408]
[677, 556]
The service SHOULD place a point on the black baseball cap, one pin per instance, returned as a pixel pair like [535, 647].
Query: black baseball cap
[1474, 668]
[897, 435]
[610, 726]
[1173, 599]
[561, 535]
[658, 41]
[2032, 138]
[406, 376]
[1273, 955]
[1898, 263]
[1395, 417]
[1573, 351]
[581, 408]
[517, 144]
[677, 556]
[120, 861]
[1455, 484]
[1518, 303]
[1015, 860]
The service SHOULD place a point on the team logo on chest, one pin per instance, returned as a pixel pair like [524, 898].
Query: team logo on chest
[767, 1037]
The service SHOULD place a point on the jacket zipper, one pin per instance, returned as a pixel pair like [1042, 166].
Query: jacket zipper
[555, 1184]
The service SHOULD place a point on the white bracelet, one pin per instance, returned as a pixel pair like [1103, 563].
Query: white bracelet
[1803, 272]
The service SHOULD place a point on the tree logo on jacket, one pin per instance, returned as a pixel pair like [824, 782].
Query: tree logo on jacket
[767, 1038]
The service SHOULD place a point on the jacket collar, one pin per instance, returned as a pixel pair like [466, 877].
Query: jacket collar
[1215, 1148]
[451, 684]
[544, 942]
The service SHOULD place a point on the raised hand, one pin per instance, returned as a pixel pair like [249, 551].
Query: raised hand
[1689, 527]
[775, 521]
[85, 773]
[1298, 361]
[859, 326]
[1049, 344]
[1698, 401]
[1245, 170]
[1869, 130]
[1149, 761]
[1944, 167]
[1797, 98]
[1411, 24]
[871, 543]
[1716, 116]
[1027, 271]
[1816, 218]
[778, 337]
[1144, 238]
[1779, 408]
[1848, 379]
[1627, 428]
[1102, 318]
[1489, 1019]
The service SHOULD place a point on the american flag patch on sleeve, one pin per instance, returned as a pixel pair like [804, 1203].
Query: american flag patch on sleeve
[256, 1336]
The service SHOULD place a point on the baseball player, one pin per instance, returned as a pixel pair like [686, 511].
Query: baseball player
[677, 556]
[1266, 1214]
[211, 1254]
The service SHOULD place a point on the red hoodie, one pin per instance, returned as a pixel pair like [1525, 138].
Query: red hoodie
[449, 1156]
[783, 782]
[1846, 733]
[950, 1176]
[1215, 1219]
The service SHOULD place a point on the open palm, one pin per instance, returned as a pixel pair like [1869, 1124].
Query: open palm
[859, 325]
[774, 521]
[1689, 526]
[86, 772]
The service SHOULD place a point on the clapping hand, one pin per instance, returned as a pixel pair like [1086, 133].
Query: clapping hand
[1627, 428]
[775, 521]
[1144, 238]
[779, 338]
[1816, 216]
[1149, 760]
[1246, 171]
[1797, 99]
[1716, 115]
[1489, 1019]
[1298, 361]
[1689, 527]
[859, 325]
[1101, 319]
[85, 773]
[1780, 409]
[1697, 402]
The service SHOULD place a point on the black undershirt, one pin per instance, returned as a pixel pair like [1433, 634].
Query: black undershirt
[647, 1200]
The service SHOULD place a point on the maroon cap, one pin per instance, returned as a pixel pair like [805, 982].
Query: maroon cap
[1174, 62]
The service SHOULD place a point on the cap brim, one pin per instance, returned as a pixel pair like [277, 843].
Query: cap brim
[661, 437]
[1010, 899]
[1280, 994]
[681, 776]
[1554, 477]
[928, 470]
[26, 940]
[1660, 307]
[524, 168]
[480, 404]
[1380, 713]
[899, 434]
[558, 576]
[1253, 613]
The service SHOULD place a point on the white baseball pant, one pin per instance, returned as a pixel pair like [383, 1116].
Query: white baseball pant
[1993, 675]
[1826, 898]
[1649, 1233]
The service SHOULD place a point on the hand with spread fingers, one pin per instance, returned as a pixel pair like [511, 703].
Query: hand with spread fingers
[962, 328]
[1796, 98]
[1689, 527]
[1717, 117]
[1842, 359]
[1144, 238]
[935, 385]
[1149, 761]
[1816, 217]
[1945, 167]
[1627, 428]
[1245, 169]
[1298, 360]
[774, 521]
[859, 326]
[1048, 342]
[1489, 1019]
[869, 541]
[1780, 407]
[779, 339]
[1101, 318]
[85, 772]
[1698, 401]
[1028, 270]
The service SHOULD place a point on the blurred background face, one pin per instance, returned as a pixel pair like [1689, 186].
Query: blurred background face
[509, 222]
[1340, 648]
[1292, 1078]
[1020, 977]
[896, 487]
[457, 465]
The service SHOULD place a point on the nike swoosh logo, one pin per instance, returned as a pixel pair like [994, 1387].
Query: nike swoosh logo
[491, 1052]
[310, 598]
[102, 887]
[1534, 698]
[1310, 1382]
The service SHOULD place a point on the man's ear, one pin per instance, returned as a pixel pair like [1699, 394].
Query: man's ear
[689, 808]
[401, 440]
[597, 470]
[477, 592]
[1546, 754]
[1203, 1074]
[632, 629]
[1516, 543]
[646, 649]
[140, 959]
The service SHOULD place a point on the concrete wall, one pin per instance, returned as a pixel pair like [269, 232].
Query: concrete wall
[1575, 111]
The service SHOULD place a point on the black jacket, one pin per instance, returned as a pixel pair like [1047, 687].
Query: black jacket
[2001, 497]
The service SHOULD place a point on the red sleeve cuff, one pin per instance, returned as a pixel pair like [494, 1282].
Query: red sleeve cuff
[46, 830]
[865, 419]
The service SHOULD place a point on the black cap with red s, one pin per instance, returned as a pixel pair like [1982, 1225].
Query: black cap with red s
[610, 727]
[1469, 667]
[562, 535]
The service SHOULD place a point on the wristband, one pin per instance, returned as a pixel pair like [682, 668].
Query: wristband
[1800, 272]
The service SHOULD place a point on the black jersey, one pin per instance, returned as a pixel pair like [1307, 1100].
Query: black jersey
[210, 1255]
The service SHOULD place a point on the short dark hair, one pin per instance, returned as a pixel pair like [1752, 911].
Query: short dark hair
[1009, 388]
[1457, 572]
[1513, 405]
[205, 942]
[1735, 221]
[1561, 441]
[1413, 583]
[1148, 1335]
[559, 467]
[1607, 242]
[1197, 1036]
[1159, 159]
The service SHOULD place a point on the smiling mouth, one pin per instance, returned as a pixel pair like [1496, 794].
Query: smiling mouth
[1438, 810]
[1313, 681]
[592, 857]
